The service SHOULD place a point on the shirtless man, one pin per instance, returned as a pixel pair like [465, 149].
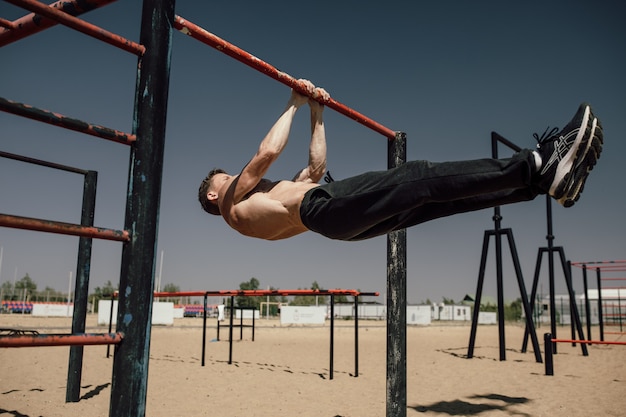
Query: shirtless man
[376, 203]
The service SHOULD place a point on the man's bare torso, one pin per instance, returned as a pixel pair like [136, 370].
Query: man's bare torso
[270, 211]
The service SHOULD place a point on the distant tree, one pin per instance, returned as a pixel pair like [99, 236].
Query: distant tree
[173, 288]
[310, 300]
[513, 311]
[341, 299]
[244, 301]
[102, 293]
[7, 290]
[448, 301]
[488, 307]
[51, 295]
[26, 283]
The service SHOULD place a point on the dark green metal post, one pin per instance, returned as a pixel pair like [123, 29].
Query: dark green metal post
[130, 366]
[81, 288]
[396, 301]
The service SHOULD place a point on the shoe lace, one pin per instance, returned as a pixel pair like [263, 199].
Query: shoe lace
[546, 136]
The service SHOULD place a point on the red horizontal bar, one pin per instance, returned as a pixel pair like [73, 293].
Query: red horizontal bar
[261, 293]
[45, 116]
[50, 226]
[240, 55]
[79, 339]
[256, 293]
[34, 23]
[595, 342]
[609, 264]
[80, 25]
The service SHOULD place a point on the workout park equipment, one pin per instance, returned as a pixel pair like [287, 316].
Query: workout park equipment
[146, 143]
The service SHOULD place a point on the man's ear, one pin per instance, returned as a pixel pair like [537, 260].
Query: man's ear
[211, 196]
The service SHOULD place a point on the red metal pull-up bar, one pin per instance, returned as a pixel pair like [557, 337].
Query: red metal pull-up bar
[34, 23]
[56, 119]
[18, 222]
[240, 55]
[80, 25]
[78, 339]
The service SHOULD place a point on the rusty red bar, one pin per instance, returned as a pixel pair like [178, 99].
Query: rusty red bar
[261, 293]
[34, 23]
[28, 223]
[80, 25]
[198, 33]
[78, 339]
[60, 120]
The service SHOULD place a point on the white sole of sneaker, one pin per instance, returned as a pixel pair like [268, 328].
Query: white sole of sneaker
[564, 168]
[578, 182]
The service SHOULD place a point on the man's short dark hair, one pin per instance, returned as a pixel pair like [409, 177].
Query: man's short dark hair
[207, 205]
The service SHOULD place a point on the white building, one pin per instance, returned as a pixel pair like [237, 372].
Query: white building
[451, 312]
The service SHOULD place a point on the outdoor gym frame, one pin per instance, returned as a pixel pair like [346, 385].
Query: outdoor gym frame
[130, 365]
[263, 293]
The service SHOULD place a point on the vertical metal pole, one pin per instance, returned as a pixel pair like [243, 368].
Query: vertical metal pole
[130, 367]
[81, 288]
[332, 336]
[204, 328]
[230, 330]
[479, 293]
[356, 335]
[547, 341]
[253, 314]
[587, 305]
[500, 289]
[111, 321]
[550, 238]
[600, 312]
[396, 300]
[241, 310]
[497, 219]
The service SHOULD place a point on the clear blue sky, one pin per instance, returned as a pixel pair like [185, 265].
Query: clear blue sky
[447, 73]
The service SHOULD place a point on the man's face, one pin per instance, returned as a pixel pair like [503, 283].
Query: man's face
[217, 181]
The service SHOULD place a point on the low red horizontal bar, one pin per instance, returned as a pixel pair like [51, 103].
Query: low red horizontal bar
[28, 223]
[594, 342]
[261, 293]
[34, 23]
[198, 33]
[79, 339]
[45, 116]
[256, 293]
[80, 25]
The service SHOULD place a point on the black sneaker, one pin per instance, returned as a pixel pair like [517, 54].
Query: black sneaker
[569, 156]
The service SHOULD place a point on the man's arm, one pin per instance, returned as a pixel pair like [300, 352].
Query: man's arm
[269, 149]
[317, 149]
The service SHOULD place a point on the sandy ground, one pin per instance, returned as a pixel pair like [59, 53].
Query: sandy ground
[285, 372]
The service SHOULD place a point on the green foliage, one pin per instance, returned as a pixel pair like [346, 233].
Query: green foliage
[310, 300]
[512, 311]
[448, 301]
[26, 283]
[243, 301]
[173, 288]
[101, 293]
